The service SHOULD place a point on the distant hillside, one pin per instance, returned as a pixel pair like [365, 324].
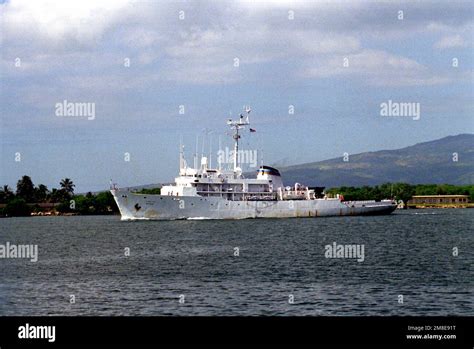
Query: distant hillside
[429, 162]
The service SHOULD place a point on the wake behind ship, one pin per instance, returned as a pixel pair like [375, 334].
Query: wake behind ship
[216, 193]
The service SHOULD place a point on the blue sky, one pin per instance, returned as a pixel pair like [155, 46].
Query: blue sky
[76, 50]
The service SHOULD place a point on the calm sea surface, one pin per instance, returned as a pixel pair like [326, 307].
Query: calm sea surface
[408, 253]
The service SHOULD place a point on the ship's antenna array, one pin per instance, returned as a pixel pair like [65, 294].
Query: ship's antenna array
[210, 151]
[218, 157]
[237, 125]
[182, 161]
[207, 134]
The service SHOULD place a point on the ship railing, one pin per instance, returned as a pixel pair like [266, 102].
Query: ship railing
[268, 197]
[297, 195]
[239, 195]
[348, 203]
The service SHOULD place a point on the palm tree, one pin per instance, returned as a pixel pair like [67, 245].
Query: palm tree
[6, 194]
[41, 192]
[25, 188]
[67, 185]
[6, 190]
[54, 195]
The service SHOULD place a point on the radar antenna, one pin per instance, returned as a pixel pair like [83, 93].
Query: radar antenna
[237, 125]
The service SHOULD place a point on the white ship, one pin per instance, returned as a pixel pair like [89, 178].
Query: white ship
[215, 193]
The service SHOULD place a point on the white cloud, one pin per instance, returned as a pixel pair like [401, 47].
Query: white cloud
[91, 38]
[208, 55]
[141, 38]
[61, 21]
[318, 42]
[201, 73]
[376, 68]
[452, 41]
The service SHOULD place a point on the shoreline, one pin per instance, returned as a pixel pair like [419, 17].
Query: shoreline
[69, 214]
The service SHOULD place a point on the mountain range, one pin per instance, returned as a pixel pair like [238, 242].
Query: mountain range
[446, 160]
[432, 162]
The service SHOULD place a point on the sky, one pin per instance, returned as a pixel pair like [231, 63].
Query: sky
[157, 72]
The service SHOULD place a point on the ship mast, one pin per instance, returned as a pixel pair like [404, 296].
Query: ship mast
[236, 126]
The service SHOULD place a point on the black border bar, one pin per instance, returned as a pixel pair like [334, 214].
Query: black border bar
[389, 331]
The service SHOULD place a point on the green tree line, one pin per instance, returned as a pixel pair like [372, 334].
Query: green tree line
[27, 197]
[152, 191]
[401, 191]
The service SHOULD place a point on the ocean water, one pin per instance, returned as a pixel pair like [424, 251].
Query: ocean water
[281, 267]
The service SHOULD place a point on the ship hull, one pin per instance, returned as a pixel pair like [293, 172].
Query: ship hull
[135, 206]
